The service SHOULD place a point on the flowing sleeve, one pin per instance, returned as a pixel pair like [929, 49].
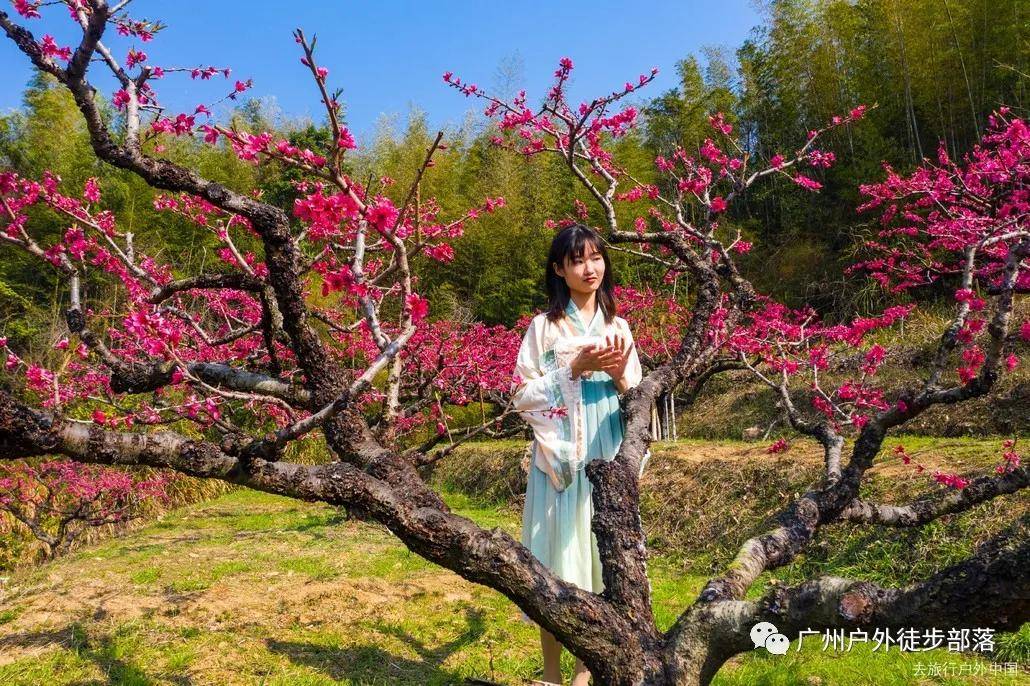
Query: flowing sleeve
[634, 373]
[543, 395]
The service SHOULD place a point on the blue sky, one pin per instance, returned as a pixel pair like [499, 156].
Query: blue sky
[389, 56]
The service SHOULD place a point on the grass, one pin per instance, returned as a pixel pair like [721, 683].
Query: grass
[145, 576]
[9, 615]
[255, 589]
[313, 567]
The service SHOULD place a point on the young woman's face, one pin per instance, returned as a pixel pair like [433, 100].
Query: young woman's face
[583, 274]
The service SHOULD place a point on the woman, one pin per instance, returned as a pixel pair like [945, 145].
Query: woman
[576, 360]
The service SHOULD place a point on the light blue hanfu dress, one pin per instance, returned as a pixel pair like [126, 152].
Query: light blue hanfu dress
[559, 505]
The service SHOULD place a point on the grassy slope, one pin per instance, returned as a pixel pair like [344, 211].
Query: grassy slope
[701, 499]
[255, 589]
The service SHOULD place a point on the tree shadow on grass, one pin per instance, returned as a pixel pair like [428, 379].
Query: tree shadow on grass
[320, 521]
[361, 663]
[103, 651]
[159, 544]
[36, 639]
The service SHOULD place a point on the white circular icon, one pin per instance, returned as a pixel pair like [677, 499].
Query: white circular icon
[777, 644]
[761, 632]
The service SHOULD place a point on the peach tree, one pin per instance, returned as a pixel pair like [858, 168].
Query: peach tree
[318, 333]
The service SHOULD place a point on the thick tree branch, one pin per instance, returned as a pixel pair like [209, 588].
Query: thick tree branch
[925, 510]
[489, 557]
[347, 433]
[799, 523]
[991, 589]
[234, 280]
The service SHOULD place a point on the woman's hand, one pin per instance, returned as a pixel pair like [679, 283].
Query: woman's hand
[620, 348]
[593, 358]
[610, 358]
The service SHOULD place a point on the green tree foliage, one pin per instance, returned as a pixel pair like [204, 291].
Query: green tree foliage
[935, 68]
[48, 133]
[497, 271]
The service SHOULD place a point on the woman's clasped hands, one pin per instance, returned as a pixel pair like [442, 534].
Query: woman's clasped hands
[610, 358]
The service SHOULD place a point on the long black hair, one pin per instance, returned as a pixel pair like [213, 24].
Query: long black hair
[569, 243]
